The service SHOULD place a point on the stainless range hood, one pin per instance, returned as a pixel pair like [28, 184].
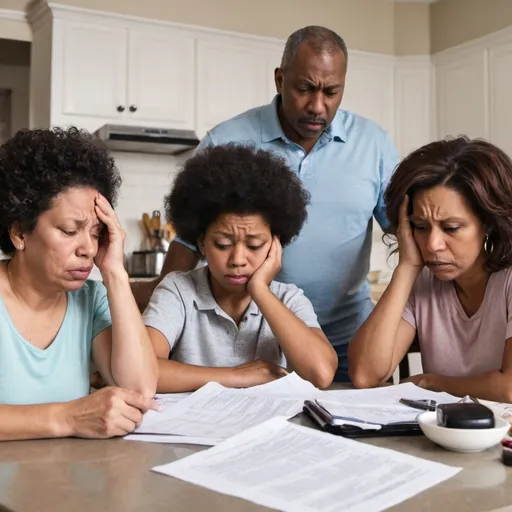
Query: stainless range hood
[140, 139]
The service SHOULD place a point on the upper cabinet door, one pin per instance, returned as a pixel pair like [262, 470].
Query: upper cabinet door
[94, 70]
[231, 79]
[161, 74]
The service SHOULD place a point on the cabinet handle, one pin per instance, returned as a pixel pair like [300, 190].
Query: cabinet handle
[133, 108]
[121, 108]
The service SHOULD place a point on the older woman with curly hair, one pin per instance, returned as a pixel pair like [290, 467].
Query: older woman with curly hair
[229, 321]
[451, 204]
[56, 221]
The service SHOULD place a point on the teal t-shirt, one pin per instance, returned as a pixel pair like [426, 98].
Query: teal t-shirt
[61, 372]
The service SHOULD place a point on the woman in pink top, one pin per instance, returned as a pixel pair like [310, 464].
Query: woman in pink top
[450, 203]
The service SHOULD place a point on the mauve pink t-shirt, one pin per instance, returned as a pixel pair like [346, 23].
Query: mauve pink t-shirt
[452, 343]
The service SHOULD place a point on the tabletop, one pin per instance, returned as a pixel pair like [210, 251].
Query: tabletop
[114, 475]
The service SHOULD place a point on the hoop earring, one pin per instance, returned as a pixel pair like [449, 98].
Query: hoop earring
[488, 245]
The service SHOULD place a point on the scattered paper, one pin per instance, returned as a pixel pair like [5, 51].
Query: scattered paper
[382, 415]
[217, 412]
[292, 468]
[168, 399]
[290, 386]
[163, 439]
[388, 395]
[502, 410]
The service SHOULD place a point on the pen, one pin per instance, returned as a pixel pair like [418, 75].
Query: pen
[423, 405]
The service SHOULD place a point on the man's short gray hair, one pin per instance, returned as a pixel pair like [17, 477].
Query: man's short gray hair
[321, 40]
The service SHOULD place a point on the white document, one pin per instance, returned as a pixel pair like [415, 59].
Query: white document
[292, 468]
[163, 439]
[290, 386]
[382, 415]
[217, 412]
[500, 409]
[168, 399]
[388, 395]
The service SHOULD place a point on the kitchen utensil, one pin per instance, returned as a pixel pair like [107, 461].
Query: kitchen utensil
[147, 263]
[155, 221]
[147, 223]
[168, 231]
[138, 264]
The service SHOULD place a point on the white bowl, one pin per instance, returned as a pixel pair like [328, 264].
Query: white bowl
[462, 440]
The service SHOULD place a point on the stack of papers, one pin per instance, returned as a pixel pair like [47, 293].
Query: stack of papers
[214, 412]
[291, 468]
[372, 408]
[388, 395]
[502, 410]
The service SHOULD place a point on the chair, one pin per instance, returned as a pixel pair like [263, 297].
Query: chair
[403, 367]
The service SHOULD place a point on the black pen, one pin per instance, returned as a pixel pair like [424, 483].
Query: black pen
[423, 405]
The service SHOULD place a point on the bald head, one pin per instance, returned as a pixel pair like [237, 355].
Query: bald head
[320, 39]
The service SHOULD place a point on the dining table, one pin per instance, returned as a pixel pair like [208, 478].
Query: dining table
[114, 475]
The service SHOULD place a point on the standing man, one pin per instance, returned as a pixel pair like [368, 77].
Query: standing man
[344, 160]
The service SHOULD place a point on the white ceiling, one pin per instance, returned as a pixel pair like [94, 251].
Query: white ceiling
[417, 1]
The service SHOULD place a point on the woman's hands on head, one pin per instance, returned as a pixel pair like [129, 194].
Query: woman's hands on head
[408, 250]
[110, 256]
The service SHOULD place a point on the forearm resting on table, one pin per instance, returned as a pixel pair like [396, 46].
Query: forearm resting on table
[32, 422]
[495, 386]
[306, 349]
[175, 377]
[375, 350]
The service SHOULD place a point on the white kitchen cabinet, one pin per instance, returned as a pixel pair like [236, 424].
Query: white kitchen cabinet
[272, 61]
[161, 75]
[462, 109]
[126, 75]
[93, 62]
[111, 71]
[231, 79]
[500, 104]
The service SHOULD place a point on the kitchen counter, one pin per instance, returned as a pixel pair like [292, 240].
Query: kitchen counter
[376, 289]
[141, 279]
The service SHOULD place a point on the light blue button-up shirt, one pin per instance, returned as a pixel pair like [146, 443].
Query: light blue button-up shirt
[346, 173]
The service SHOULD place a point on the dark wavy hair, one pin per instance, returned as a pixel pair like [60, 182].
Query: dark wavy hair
[38, 165]
[478, 170]
[236, 179]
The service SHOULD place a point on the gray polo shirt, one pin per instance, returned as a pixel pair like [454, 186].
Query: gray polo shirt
[199, 332]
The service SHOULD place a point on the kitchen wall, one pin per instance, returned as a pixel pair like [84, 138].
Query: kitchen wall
[145, 176]
[146, 179]
[412, 29]
[278, 19]
[398, 28]
[454, 22]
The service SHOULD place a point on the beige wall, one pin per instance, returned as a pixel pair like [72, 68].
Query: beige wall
[15, 5]
[14, 29]
[367, 25]
[412, 29]
[380, 26]
[271, 18]
[453, 22]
